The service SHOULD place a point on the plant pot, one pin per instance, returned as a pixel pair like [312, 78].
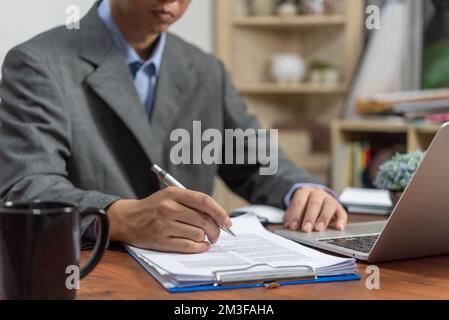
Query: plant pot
[395, 195]
[242, 8]
[316, 76]
[331, 76]
[262, 7]
[316, 7]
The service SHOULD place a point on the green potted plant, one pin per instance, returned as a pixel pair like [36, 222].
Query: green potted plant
[395, 174]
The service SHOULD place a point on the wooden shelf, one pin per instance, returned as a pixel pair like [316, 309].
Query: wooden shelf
[376, 125]
[385, 126]
[303, 88]
[428, 129]
[286, 22]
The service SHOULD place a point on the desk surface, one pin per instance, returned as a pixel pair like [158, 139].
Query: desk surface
[118, 276]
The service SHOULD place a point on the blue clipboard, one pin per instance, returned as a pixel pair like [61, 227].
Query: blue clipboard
[348, 277]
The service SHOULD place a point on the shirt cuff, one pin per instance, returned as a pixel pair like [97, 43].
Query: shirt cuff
[91, 231]
[296, 186]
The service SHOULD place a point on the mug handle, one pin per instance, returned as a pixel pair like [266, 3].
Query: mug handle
[102, 239]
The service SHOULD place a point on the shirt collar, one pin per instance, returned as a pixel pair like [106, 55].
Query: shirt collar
[130, 55]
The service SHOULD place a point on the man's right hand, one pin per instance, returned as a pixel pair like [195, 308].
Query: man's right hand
[173, 220]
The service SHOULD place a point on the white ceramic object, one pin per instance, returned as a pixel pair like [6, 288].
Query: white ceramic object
[287, 8]
[288, 68]
[262, 7]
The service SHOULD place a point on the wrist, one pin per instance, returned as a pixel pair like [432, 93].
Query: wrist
[117, 213]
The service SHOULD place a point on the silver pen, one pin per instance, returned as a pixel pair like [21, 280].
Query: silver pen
[169, 181]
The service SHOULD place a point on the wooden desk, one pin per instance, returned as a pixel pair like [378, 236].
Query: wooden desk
[118, 276]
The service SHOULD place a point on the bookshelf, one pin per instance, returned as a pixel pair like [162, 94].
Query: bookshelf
[246, 44]
[385, 132]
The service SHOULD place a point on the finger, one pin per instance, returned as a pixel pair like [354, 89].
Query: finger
[185, 231]
[327, 212]
[181, 245]
[165, 243]
[313, 209]
[198, 219]
[204, 203]
[342, 218]
[295, 211]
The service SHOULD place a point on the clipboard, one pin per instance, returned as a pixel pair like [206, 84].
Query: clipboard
[265, 281]
[274, 282]
[348, 277]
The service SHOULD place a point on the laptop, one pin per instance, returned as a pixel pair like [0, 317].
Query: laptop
[418, 225]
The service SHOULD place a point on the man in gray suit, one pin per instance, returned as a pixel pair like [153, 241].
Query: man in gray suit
[85, 112]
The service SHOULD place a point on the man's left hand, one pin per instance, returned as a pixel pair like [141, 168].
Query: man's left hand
[314, 209]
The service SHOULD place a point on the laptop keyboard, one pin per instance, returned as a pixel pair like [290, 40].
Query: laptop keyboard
[357, 243]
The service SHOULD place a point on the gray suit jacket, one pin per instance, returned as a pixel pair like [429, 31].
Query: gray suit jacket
[72, 127]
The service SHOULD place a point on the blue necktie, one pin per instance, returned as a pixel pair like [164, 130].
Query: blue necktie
[144, 81]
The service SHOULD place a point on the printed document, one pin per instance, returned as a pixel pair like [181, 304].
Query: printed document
[254, 251]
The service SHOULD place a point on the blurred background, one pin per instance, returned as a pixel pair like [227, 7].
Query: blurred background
[343, 80]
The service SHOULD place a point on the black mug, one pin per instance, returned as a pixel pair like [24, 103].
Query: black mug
[40, 247]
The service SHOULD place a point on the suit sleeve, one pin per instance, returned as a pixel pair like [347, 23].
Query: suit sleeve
[35, 136]
[246, 179]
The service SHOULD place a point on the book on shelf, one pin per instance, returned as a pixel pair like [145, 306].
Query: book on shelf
[352, 160]
[361, 156]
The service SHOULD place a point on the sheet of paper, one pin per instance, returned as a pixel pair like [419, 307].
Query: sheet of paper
[253, 245]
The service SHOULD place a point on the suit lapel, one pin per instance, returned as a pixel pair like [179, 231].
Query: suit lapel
[173, 89]
[112, 82]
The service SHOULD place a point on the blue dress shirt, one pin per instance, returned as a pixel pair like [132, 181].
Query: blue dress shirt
[144, 72]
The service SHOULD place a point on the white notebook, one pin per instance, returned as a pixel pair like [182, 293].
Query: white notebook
[255, 254]
[370, 201]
